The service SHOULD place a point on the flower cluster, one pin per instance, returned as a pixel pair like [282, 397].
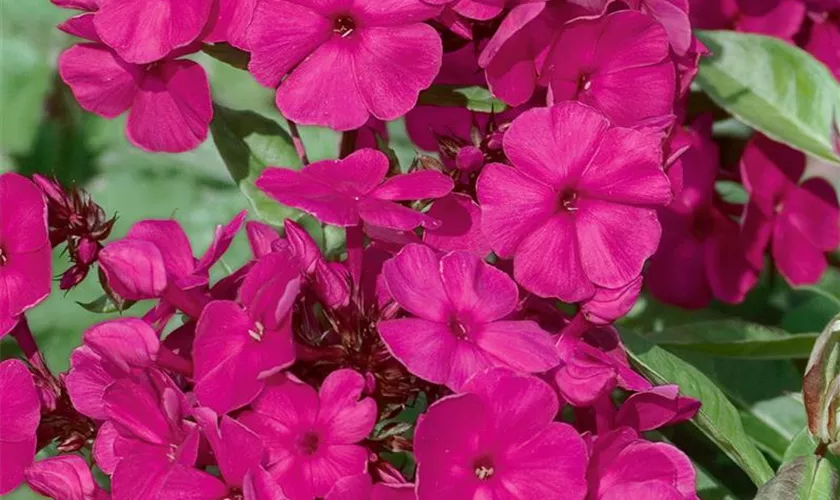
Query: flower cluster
[428, 359]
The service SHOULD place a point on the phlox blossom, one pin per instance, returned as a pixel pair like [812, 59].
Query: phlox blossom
[18, 422]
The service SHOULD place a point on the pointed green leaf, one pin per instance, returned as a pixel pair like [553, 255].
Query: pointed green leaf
[473, 98]
[717, 418]
[805, 478]
[774, 87]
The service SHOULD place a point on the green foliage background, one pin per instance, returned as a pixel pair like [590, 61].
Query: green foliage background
[43, 130]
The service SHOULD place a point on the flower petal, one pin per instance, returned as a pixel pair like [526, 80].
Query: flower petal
[476, 289]
[101, 82]
[426, 349]
[413, 278]
[522, 345]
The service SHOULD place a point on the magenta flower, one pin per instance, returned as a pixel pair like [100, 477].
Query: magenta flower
[361, 487]
[498, 440]
[64, 477]
[575, 182]
[458, 303]
[342, 61]
[25, 251]
[625, 466]
[460, 226]
[112, 350]
[238, 345]
[699, 241]
[824, 38]
[146, 440]
[619, 64]
[779, 18]
[800, 222]
[155, 260]
[479, 10]
[168, 100]
[673, 15]
[232, 22]
[349, 191]
[142, 32]
[311, 437]
[655, 408]
[610, 304]
[18, 422]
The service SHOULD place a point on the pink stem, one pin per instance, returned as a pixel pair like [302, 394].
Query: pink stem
[355, 243]
[24, 338]
[298, 142]
[169, 360]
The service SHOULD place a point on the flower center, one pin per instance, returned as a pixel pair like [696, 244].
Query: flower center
[567, 200]
[3, 257]
[584, 82]
[257, 332]
[458, 329]
[702, 224]
[344, 25]
[483, 468]
[309, 443]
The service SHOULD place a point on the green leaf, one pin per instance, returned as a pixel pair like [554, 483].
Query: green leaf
[248, 143]
[709, 488]
[774, 87]
[805, 478]
[717, 418]
[473, 98]
[227, 54]
[105, 305]
[737, 339]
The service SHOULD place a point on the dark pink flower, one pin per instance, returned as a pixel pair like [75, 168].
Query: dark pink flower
[349, 191]
[460, 226]
[231, 22]
[143, 32]
[18, 422]
[311, 437]
[610, 304]
[619, 64]
[480, 10]
[238, 345]
[673, 15]
[342, 61]
[561, 210]
[779, 18]
[655, 408]
[168, 100]
[459, 304]
[25, 251]
[824, 38]
[625, 466]
[799, 221]
[498, 440]
[361, 487]
[699, 241]
[65, 477]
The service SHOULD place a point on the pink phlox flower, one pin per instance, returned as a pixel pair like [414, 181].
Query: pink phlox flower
[673, 15]
[155, 260]
[619, 64]
[311, 437]
[65, 477]
[593, 364]
[575, 182]
[168, 100]
[361, 487]
[498, 439]
[336, 63]
[239, 344]
[779, 18]
[610, 304]
[460, 226]
[142, 33]
[479, 10]
[799, 221]
[83, 5]
[18, 422]
[622, 466]
[457, 328]
[230, 22]
[513, 59]
[699, 241]
[25, 251]
[657, 407]
[354, 190]
[824, 37]
[112, 350]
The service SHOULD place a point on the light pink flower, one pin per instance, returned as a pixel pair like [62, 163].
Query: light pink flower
[699, 241]
[459, 304]
[65, 477]
[619, 64]
[561, 210]
[25, 252]
[779, 18]
[498, 439]
[238, 345]
[311, 437]
[341, 61]
[349, 191]
[143, 32]
[800, 222]
[169, 102]
[18, 422]
[625, 466]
